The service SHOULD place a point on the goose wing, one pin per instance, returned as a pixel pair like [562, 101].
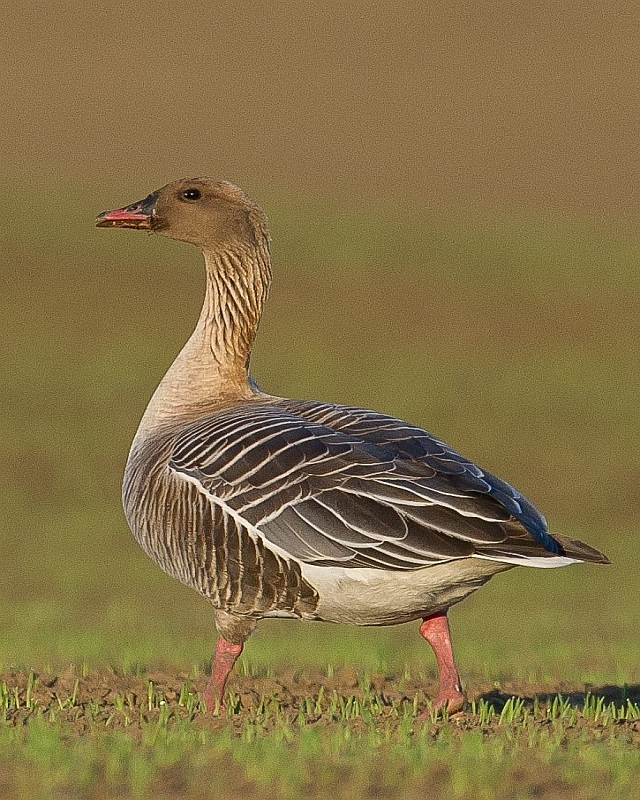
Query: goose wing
[331, 485]
[413, 444]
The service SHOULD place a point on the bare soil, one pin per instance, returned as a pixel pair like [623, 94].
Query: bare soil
[125, 700]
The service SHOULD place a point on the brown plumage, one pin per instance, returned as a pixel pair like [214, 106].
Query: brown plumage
[275, 507]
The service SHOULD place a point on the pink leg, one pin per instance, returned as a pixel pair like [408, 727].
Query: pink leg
[224, 658]
[435, 629]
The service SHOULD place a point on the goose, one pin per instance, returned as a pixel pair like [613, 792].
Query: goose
[273, 507]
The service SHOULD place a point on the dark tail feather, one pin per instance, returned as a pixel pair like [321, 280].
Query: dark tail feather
[574, 548]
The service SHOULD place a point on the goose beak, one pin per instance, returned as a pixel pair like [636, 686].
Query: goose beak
[137, 215]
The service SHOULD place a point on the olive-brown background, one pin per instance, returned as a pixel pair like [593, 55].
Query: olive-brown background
[464, 103]
[453, 195]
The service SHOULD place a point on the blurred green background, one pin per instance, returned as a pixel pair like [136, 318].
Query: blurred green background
[453, 199]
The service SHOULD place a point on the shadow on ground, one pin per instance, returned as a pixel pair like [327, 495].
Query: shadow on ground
[610, 693]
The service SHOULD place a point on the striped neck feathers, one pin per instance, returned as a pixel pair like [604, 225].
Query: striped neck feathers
[211, 370]
[237, 284]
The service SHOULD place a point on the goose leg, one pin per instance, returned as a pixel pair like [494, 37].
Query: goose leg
[224, 658]
[435, 629]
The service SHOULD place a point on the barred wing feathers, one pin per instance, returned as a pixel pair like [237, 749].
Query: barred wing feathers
[333, 485]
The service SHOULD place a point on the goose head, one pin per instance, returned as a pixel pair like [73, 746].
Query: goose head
[208, 213]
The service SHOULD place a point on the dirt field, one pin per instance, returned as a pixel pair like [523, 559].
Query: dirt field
[83, 700]
[149, 737]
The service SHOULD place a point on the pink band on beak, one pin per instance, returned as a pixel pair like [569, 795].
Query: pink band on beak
[122, 213]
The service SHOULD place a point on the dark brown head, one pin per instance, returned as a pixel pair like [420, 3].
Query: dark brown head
[208, 213]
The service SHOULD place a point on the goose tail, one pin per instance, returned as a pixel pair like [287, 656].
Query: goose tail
[574, 548]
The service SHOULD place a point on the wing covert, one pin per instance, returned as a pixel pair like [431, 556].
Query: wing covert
[337, 486]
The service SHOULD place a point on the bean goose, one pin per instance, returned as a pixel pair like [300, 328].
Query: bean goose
[272, 507]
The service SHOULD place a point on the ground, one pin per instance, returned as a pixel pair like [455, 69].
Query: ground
[148, 736]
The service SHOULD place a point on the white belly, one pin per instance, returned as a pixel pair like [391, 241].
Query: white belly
[364, 596]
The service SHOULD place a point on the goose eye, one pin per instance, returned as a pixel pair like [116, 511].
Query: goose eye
[191, 194]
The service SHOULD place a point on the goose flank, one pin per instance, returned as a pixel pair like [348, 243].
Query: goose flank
[271, 507]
